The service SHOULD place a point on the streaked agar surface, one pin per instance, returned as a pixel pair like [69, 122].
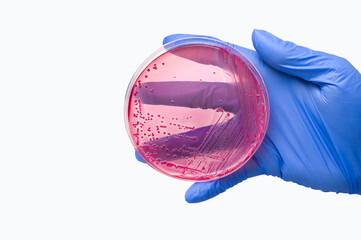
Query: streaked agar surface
[197, 112]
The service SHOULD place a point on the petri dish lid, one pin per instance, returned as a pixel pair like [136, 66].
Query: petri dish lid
[196, 109]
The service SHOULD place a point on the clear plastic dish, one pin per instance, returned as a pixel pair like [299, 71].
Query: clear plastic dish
[196, 109]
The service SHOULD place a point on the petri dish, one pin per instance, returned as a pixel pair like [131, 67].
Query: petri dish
[196, 109]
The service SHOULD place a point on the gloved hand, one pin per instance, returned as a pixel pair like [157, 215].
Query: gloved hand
[314, 132]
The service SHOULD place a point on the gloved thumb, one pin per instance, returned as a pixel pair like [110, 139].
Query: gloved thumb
[138, 157]
[287, 57]
[203, 191]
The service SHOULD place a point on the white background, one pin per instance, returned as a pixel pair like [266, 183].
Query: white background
[67, 168]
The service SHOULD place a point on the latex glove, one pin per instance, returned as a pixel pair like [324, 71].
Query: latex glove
[314, 131]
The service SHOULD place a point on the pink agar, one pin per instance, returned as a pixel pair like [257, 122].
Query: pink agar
[197, 112]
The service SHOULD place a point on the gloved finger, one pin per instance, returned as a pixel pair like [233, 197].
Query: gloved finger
[192, 143]
[205, 95]
[185, 144]
[298, 61]
[248, 53]
[138, 157]
[203, 191]
[173, 37]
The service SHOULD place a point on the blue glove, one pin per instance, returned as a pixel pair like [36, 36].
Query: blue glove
[314, 132]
